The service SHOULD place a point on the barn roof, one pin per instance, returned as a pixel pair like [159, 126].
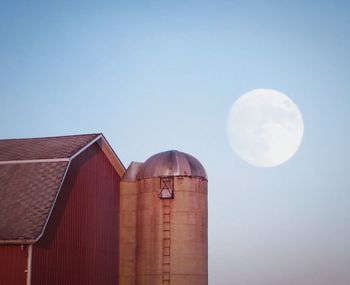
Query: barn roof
[31, 174]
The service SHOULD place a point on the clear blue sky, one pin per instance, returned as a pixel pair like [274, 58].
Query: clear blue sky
[159, 75]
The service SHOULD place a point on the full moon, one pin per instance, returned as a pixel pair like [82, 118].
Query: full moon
[265, 128]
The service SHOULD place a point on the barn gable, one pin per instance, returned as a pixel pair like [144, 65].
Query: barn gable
[32, 172]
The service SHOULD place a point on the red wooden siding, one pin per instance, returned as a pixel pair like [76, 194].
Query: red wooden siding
[13, 265]
[80, 244]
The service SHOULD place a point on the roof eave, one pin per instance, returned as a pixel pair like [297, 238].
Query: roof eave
[18, 241]
[111, 155]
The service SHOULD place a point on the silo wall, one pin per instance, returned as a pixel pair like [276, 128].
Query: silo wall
[149, 234]
[127, 233]
[172, 234]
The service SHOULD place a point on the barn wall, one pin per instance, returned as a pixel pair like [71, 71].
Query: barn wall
[80, 244]
[13, 264]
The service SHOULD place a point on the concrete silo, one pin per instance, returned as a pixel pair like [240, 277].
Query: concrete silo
[164, 222]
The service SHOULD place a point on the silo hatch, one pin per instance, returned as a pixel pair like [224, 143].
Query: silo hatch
[166, 188]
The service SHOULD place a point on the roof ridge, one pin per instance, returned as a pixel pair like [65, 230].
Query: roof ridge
[52, 137]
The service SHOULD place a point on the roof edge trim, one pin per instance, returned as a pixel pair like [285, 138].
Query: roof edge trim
[34, 160]
[107, 150]
[54, 203]
[18, 241]
[111, 156]
[85, 147]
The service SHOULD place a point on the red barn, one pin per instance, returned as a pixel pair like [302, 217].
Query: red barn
[59, 221]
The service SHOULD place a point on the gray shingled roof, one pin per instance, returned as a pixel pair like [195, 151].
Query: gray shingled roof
[43, 148]
[31, 173]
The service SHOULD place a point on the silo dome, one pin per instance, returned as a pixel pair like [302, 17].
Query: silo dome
[172, 163]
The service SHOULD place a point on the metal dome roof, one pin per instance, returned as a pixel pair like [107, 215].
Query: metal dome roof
[172, 163]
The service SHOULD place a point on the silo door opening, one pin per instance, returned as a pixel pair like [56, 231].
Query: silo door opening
[166, 188]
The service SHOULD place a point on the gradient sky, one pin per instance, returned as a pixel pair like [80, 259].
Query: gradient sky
[159, 75]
